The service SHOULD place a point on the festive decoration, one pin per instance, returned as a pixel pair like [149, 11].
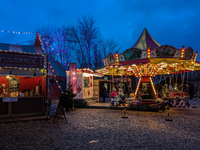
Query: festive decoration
[15, 32]
[73, 76]
[145, 60]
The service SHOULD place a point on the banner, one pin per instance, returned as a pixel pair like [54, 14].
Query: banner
[73, 76]
[21, 60]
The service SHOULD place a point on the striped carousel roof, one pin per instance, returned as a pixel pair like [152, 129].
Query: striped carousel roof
[145, 40]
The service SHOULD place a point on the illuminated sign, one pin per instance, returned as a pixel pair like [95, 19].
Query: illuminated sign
[21, 60]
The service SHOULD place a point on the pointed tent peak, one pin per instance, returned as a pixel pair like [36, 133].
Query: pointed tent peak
[145, 40]
[37, 40]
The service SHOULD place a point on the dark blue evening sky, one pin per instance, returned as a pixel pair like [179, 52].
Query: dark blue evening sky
[172, 22]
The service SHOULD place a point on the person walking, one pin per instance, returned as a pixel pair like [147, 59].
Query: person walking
[104, 93]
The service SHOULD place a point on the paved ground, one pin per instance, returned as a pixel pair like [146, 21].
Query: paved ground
[105, 129]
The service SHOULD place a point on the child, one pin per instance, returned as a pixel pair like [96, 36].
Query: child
[121, 94]
[114, 93]
[113, 97]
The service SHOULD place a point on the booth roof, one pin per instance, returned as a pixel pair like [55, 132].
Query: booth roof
[54, 67]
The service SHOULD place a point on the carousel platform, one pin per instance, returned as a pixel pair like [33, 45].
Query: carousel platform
[106, 104]
[103, 105]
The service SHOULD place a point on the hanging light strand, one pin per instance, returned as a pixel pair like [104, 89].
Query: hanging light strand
[16, 32]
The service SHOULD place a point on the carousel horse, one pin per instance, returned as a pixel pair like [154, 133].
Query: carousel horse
[175, 89]
[139, 101]
[181, 100]
[165, 89]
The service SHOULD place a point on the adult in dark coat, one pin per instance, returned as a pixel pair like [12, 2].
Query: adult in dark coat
[104, 93]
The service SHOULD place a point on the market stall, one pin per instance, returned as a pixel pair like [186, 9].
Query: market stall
[22, 83]
[84, 83]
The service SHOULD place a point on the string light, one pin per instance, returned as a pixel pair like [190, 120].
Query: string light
[182, 51]
[138, 86]
[148, 51]
[15, 32]
[117, 56]
[153, 87]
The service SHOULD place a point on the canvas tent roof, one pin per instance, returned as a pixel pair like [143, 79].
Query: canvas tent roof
[56, 69]
[145, 40]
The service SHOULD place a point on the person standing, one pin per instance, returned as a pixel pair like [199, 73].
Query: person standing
[104, 93]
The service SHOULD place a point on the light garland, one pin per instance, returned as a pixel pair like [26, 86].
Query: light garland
[54, 77]
[138, 86]
[104, 61]
[15, 32]
[195, 57]
[117, 56]
[148, 51]
[155, 94]
[51, 67]
[182, 51]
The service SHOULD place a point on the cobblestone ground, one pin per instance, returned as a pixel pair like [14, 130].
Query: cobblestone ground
[105, 129]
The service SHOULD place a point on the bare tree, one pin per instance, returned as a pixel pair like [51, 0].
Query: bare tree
[46, 33]
[83, 37]
[109, 46]
[97, 59]
[55, 42]
[73, 37]
[89, 33]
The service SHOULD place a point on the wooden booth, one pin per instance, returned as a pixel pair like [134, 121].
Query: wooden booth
[84, 84]
[22, 84]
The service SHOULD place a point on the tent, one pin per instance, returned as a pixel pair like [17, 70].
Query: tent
[145, 40]
[56, 71]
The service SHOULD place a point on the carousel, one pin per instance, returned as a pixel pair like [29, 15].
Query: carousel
[147, 59]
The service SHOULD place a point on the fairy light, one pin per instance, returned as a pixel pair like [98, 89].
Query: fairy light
[16, 32]
[138, 70]
[148, 51]
[104, 62]
[195, 57]
[138, 87]
[182, 51]
[152, 73]
[117, 56]
[153, 87]
[54, 77]
[146, 70]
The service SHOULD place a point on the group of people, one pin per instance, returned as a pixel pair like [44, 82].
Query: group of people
[119, 97]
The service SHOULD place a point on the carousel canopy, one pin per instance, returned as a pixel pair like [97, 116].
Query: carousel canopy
[148, 58]
[145, 40]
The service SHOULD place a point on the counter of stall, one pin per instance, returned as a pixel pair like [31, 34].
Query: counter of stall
[22, 96]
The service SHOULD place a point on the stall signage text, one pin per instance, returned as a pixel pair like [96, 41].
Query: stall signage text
[21, 60]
